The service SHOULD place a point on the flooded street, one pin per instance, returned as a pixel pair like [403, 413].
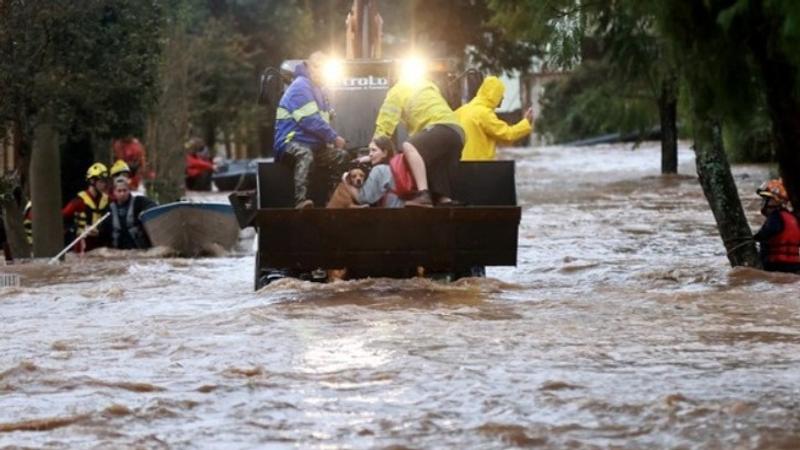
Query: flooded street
[621, 327]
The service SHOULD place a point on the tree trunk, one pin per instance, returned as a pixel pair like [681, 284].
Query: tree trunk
[45, 173]
[780, 85]
[668, 113]
[168, 125]
[720, 191]
[14, 228]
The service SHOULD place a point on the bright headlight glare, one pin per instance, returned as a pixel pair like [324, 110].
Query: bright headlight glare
[413, 69]
[333, 71]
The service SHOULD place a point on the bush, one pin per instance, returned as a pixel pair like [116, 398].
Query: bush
[589, 102]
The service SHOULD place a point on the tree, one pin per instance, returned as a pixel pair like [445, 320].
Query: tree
[732, 52]
[10, 196]
[617, 36]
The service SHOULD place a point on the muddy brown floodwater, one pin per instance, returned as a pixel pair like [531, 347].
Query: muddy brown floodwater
[621, 327]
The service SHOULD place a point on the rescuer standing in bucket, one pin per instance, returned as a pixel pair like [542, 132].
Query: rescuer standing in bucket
[482, 126]
[303, 134]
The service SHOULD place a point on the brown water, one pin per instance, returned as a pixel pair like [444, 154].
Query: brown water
[622, 327]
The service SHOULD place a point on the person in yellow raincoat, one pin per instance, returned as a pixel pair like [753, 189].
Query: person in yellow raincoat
[482, 126]
[436, 138]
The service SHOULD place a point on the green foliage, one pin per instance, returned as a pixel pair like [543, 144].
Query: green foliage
[221, 75]
[92, 63]
[617, 59]
[229, 43]
[751, 140]
[590, 102]
[711, 42]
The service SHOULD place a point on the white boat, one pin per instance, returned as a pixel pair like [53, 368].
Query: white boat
[192, 229]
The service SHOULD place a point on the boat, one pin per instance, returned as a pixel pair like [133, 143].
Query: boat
[236, 175]
[192, 229]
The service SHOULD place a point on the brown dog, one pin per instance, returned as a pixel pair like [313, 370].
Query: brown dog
[342, 197]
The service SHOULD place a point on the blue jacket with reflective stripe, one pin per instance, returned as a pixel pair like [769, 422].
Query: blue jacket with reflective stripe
[302, 114]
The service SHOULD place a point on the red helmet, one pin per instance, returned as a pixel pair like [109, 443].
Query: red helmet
[773, 189]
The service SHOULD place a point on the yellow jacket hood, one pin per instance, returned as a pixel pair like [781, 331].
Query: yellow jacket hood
[490, 93]
[482, 127]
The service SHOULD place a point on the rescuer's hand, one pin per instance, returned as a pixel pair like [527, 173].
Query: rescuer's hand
[339, 142]
[529, 115]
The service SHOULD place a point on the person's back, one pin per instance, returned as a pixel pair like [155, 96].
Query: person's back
[483, 128]
[199, 167]
[417, 105]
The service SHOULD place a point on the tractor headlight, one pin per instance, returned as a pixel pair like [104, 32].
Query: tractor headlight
[413, 69]
[333, 71]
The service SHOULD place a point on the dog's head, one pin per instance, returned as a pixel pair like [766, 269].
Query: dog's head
[355, 177]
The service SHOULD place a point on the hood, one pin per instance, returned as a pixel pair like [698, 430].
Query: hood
[490, 93]
[301, 70]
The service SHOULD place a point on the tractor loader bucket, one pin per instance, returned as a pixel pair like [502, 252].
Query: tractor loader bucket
[381, 241]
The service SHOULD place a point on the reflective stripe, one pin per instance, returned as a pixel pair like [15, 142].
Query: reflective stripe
[130, 224]
[309, 109]
[97, 213]
[289, 137]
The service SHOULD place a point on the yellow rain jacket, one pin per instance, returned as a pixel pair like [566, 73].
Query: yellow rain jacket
[482, 126]
[417, 105]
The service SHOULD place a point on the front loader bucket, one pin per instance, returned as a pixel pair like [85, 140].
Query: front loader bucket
[378, 242]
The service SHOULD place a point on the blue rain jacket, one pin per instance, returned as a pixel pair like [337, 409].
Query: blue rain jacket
[303, 115]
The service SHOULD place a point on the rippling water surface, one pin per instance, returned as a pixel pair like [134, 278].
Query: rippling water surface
[621, 327]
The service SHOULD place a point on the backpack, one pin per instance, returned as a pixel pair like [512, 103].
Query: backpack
[404, 185]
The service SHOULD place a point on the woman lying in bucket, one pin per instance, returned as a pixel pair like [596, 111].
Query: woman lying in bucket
[389, 181]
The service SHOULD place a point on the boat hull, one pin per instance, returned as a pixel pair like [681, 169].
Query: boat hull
[192, 229]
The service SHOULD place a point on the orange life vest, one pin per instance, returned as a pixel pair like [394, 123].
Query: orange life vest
[92, 212]
[784, 247]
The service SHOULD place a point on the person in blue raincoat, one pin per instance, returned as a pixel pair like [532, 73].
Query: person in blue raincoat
[303, 134]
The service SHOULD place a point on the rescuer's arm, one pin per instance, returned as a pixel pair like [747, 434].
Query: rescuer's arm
[389, 114]
[502, 131]
[772, 227]
[145, 203]
[73, 207]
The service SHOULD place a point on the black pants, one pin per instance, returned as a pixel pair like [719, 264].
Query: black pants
[440, 147]
[302, 159]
